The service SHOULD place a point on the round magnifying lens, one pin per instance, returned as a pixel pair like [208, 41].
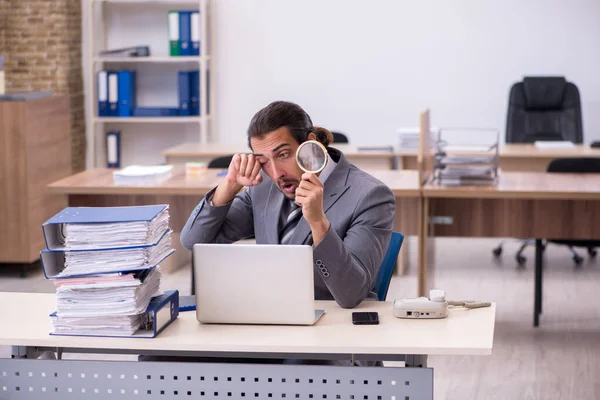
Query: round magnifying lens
[312, 156]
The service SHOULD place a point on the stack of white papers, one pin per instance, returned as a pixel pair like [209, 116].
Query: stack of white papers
[98, 262]
[106, 304]
[553, 144]
[83, 236]
[143, 175]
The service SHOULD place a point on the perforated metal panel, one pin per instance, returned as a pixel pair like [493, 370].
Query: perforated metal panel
[77, 379]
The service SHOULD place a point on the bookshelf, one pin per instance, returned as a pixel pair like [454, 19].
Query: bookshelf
[114, 24]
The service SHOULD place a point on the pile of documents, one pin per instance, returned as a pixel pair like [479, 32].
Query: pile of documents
[104, 262]
[143, 175]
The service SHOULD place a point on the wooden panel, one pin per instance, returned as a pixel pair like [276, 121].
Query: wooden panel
[407, 217]
[48, 159]
[557, 219]
[13, 175]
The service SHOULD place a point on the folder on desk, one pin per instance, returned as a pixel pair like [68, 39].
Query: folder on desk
[85, 228]
[102, 94]
[195, 33]
[61, 264]
[160, 313]
[185, 34]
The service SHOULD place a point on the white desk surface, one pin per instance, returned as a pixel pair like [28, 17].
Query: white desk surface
[25, 322]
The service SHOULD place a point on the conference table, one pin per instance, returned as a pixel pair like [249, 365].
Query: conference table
[333, 337]
[524, 205]
[512, 157]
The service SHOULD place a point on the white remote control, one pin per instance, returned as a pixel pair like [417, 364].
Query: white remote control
[435, 306]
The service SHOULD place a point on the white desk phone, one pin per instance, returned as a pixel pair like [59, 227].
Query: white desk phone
[436, 306]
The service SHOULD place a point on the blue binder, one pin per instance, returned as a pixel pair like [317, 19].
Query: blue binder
[126, 93]
[183, 86]
[185, 33]
[194, 92]
[162, 311]
[53, 228]
[195, 33]
[113, 94]
[53, 261]
[102, 92]
[113, 149]
[155, 112]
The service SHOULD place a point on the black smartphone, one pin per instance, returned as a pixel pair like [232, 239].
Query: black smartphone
[365, 318]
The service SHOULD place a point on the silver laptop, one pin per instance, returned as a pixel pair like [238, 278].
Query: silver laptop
[255, 284]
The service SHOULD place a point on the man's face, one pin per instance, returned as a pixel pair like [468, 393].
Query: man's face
[278, 159]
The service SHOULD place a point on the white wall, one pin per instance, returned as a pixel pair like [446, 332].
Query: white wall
[369, 67]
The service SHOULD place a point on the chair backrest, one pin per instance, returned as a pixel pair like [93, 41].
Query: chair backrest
[339, 137]
[544, 108]
[220, 162]
[582, 165]
[384, 277]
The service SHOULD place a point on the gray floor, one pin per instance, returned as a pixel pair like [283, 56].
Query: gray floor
[558, 360]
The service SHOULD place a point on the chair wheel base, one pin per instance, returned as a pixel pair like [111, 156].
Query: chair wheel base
[521, 260]
[592, 253]
[577, 260]
[497, 251]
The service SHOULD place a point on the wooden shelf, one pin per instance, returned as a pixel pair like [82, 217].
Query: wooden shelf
[151, 59]
[168, 2]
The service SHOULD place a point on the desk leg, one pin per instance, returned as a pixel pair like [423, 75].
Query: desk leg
[538, 282]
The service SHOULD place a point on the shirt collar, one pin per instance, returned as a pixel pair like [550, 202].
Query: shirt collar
[329, 167]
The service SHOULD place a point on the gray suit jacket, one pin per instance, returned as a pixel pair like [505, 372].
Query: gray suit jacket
[359, 207]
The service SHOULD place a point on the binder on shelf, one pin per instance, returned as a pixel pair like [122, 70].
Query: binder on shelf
[102, 94]
[113, 94]
[195, 33]
[185, 34]
[54, 261]
[154, 219]
[160, 313]
[194, 92]
[174, 33]
[183, 86]
[113, 149]
[155, 112]
[126, 93]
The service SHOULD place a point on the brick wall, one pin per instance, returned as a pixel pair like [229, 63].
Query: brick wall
[41, 43]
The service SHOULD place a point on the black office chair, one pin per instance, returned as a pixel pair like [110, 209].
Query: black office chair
[339, 137]
[579, 166]
[542, 108]
[220, 162]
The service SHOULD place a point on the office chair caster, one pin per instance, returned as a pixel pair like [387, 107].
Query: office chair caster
[592, 252]
[521, 260]
[497, 251]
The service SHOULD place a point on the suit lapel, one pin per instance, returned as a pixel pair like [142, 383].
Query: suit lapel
[272, 212]
[335, 187]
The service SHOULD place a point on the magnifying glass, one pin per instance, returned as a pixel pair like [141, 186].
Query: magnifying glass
[312, 156]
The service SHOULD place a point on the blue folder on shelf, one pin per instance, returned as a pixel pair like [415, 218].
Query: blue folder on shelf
[155, 112]
[185, 33]
[102, 91]
[53, 261]
[113, 149]
[113, 94]
[126, 93]
[53, 228]
[194, 92]
[183, 86]
[161, 312]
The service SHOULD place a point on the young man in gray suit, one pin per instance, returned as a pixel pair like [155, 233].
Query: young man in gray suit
[344, 213]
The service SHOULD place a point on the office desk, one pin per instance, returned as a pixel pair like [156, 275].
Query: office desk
[464, 332]
[95, 187]
[516, 157]
[196, 152]
[521, 205]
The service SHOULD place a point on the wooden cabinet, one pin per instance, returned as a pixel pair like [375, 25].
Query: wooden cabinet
[35, 150]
